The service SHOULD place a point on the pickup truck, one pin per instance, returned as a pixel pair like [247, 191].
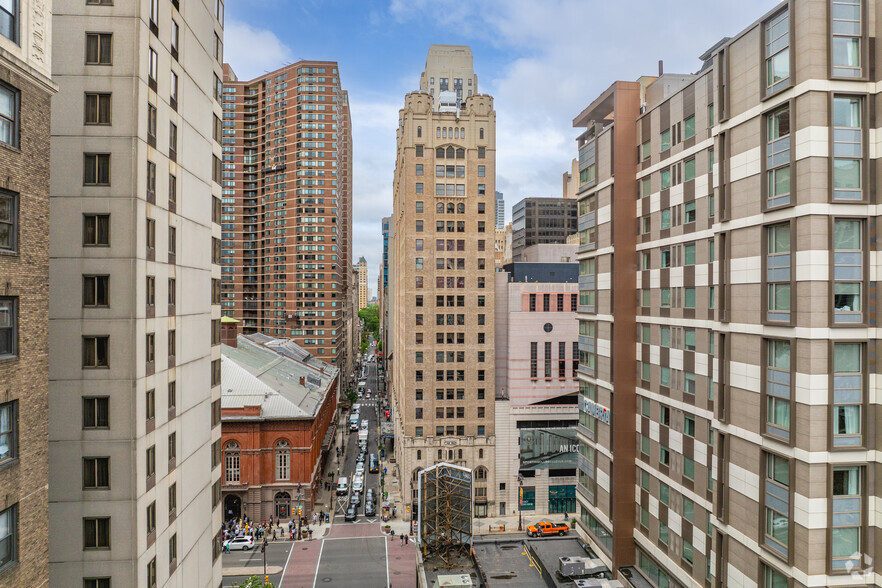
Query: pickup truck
[546, 528]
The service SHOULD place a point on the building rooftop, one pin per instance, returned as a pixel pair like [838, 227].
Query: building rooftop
[277, 375]
[542, 272]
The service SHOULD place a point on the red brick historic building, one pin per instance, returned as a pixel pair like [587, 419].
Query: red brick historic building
[277, 426]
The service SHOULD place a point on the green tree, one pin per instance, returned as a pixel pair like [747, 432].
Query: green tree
[363, 346]
[371, 316]
[352, 396]
[254, 582]
[379, 345]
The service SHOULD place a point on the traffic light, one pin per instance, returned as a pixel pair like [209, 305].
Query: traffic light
[299, 511]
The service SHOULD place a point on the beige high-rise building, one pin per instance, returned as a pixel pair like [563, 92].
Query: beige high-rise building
[728, 348]
[25, 97]
[442, 355]
[135, 294]
[362, 283]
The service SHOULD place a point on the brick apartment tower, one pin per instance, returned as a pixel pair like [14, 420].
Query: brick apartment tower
[135, 294]
[362, 283]
[442, 355]
[749, 365]
[25, 96]
[287, 206]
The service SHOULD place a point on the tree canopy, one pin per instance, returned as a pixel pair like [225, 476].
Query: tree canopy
[371, 316]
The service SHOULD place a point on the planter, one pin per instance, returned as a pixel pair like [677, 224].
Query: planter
[387, 528]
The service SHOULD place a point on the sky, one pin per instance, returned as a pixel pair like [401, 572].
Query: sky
[543, 61]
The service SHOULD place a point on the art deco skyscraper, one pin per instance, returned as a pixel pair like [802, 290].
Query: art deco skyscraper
[287, 217]
[135, 294]
[441, 304]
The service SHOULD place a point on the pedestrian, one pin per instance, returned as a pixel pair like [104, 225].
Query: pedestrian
[401, 540]
[274, 533]
[407, 539]
[309, 531]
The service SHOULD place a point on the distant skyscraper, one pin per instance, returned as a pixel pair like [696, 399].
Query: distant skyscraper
[500, 211]
[540, 221]
[363, 295]
[442, 355]
[287, 208]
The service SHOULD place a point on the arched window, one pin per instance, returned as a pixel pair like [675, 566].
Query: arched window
[450, 132]
[439, 208]
[439, 152]
[450, 152]
[415, 475]
[460, 208]
[480, 454]
[440, 454]
[283, 460]
[481, 473]
[438, 132]
[450, 454]
[231, 462]
[481, 133]
[459, 454]
[450, 208]
[462, 133]
[444, 133]
[419, 454]
[460, 153]
[456, 133]
[419, 131]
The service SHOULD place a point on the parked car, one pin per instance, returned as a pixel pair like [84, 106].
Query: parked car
[358, 484]
[361, 457]
[244, 543]
[374, 462]
[370, 509]
[369, 496]
[351, 514]
[355, 499]
[546, 528]
[359, 467]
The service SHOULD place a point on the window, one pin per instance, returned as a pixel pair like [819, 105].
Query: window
[419, 169]
[8, 327]
[172, 342]
[8, 433]
[777, 504]
[96, 473]
[664, 455]
[845, 534]
[689, 425]
[96, 290]
[152, 67]
[283, 460]
[172, 500]
[96, 582]
[8, 536]
[689, 298]
[482, 153]
[172, 395]
[98, 48]
[778, 388]
[96, 412]
[772, 578]
[150, 234]
[689, 468]
[689, 170]
[689, 127]
[645, 151]
[96, 352]
[96, 533]
[154, 12]
[848, 274]
[172, 141]
[96, 228]
[848, 394]
[219, 11]
[231, 462]
[8, 221]
[778, 273]
[173, 549]
[846, 42]
[96, 169]
[687, 552]
[847, 149]
[666, 139]
[172, 240]
[777, 52]
[151, 181]
[689, 253]
[150, 291]
[151, 565]
[173, 91]
[645, 187]
[665, 179]
[175, 38]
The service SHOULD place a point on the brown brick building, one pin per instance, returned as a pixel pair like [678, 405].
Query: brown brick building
[287, 205]
[25, 97]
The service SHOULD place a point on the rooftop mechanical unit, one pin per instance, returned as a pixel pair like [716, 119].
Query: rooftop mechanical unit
[581, 566]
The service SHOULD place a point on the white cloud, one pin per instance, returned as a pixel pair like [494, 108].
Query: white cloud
[251, 51]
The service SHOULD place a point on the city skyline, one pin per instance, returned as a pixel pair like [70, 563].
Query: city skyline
[513, 43]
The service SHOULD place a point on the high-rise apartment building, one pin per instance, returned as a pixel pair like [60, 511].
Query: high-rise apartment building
[500, 210]
[537, 221]
[383, 282]
[442, 355]
[287, 217]
[363, 289]
[135, 294]
[737, 416]
[25, 97]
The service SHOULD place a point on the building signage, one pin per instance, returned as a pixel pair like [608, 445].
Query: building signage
[548, 448]
[598, 411]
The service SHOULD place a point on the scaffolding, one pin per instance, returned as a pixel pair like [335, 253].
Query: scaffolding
[445, 513]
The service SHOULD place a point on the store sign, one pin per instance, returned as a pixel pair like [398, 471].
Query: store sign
[548, 448]
[598, 411]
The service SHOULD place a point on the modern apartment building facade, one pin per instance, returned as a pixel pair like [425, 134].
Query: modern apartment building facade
[537, 360]
[362, 283]
[442, 355]
[537, 221]
[287, 223]
[753, 348]
[25, 98]
[500, 210]
[134, 311]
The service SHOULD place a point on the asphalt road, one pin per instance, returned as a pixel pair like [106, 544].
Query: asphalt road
[353, 562]
[276, 557]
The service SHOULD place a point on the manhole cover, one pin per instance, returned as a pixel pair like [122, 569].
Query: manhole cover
[326, 580]
[396, 573]
[305, 548]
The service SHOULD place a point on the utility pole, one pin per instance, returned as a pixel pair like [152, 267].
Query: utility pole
[263, 551]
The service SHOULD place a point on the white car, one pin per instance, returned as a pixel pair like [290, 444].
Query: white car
[358, 485]
[244, 543]
[359, 468]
